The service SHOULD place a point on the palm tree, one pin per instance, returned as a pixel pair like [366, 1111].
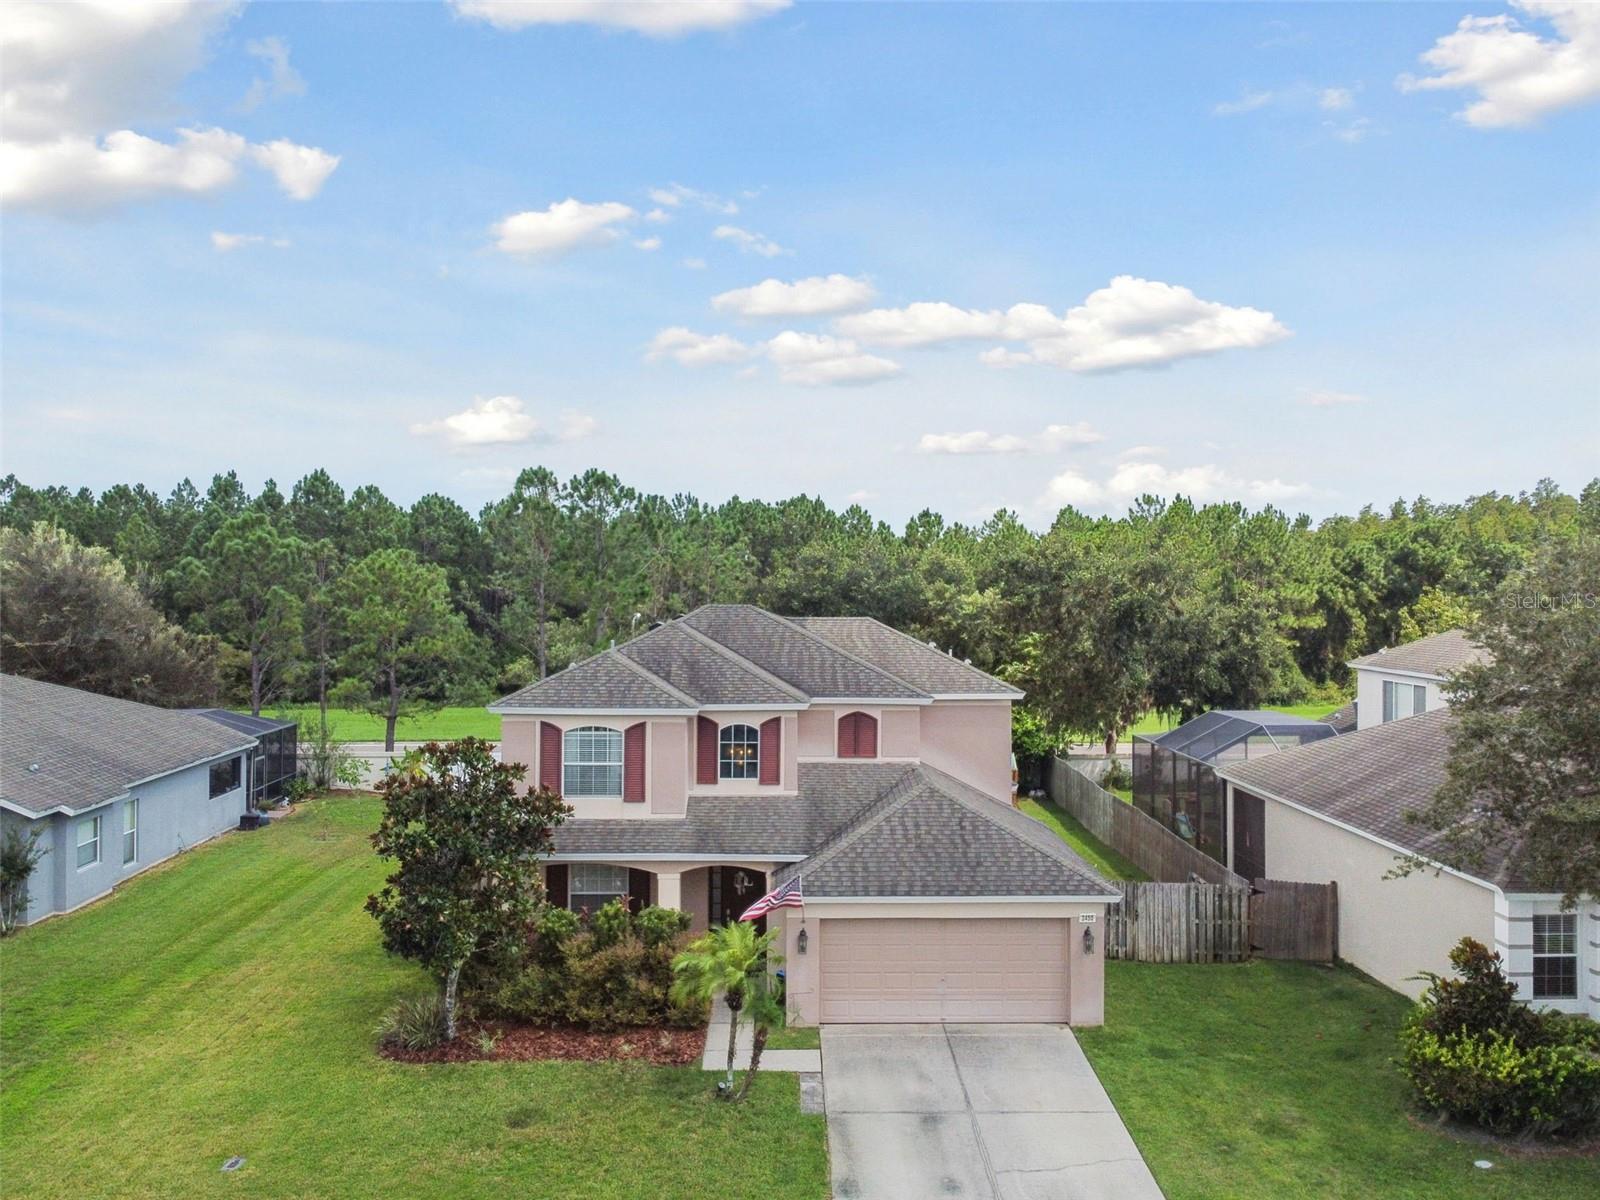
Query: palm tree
[726, 959]
[762, 1009]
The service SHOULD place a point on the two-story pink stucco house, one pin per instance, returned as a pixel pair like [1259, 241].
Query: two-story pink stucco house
[732, 750]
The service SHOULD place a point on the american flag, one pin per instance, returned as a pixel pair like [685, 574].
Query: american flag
[787, 896]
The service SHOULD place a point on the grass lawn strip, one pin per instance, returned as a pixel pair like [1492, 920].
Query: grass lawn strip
[447, 724]
[225, 1004]
[1070, 830]
[1274, 1080]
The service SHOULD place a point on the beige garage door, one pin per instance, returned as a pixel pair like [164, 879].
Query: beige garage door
[944, 969]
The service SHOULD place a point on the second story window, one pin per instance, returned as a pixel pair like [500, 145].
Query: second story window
[738, 752]
[591, 761]
[1403, 700]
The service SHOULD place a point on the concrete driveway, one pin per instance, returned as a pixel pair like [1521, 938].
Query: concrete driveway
[991, 1112]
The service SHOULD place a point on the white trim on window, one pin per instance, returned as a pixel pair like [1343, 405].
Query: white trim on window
[591, 762]
[1555, 946]
[130, 831]
[90, 843]
[738, 752]
[594, 885]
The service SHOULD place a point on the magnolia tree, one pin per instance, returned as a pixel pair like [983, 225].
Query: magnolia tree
[466, 844]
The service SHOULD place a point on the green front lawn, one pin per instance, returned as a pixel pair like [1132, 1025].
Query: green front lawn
[1272, 1079]
[224, 1004]
[445, 725]
[1071, 831]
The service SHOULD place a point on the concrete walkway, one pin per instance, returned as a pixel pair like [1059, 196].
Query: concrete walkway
[715, 1057]
[989, 1112]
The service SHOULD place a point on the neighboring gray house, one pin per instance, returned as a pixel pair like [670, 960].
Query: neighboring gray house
[113, 786]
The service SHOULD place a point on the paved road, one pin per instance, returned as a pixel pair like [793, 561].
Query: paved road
[987, 1112]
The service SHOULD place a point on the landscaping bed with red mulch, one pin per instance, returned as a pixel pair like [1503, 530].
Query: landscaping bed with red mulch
[658, 1045]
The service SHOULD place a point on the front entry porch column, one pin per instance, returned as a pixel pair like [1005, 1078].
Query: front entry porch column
[669, 890]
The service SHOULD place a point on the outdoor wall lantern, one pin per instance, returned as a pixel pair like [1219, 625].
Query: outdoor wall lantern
[1088, 939]
[800, 942]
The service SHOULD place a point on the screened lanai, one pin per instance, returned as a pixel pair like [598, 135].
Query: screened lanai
[1174, 776]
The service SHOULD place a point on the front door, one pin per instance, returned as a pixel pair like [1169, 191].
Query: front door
[734, 889]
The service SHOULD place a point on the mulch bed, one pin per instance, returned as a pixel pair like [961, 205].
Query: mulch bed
[657, 1045]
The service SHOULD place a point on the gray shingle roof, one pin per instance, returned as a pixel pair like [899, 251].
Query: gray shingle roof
[1439, 654]
[870, 829]
[1343, 718]
[88, 749]
[700, 669]
[931, 835]
[1369, 780]
[798, 657]
[606, 681]
[904, 657]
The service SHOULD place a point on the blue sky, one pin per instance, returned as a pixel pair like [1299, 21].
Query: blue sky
[1260, 253]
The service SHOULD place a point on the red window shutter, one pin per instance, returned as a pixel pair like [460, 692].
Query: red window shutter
[550, 756]
[705, 757]
[858, 736]
[866, 736]
[633, 763]
[771, 752]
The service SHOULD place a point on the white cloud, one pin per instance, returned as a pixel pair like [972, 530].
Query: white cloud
[1351, 131]
[693, 349]
[1143, 452]
[658, 216]
[496, 421]
[1335, 99]
[300, 170]
[803, 298]
[1518, 75]
[281, 79]
[675, 194]
[1129, 323]
[655, 18]
[561, 227]
[1003, 360]
[77, 74]
[1248, 102]
[816, 359]
[649, 243]
[861, 496]
[978, 441]
[575, 426]
[750, 243]
[809, 359]
[92, 67]
[1322, 398]
[225, 242]
[695, 264]
[1131, 480]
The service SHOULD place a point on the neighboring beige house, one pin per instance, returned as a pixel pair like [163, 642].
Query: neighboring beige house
[732, 751]
[1336, 810]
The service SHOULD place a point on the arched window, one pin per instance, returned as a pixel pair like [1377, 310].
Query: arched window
[738, 752]
[591, 761]
[858, 735]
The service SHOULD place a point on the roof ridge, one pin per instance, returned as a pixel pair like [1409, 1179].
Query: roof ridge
[822, 641]
[920, 644]
[869, 818]
[650, 676]
[736, 658]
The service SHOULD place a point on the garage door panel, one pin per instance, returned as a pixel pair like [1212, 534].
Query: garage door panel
[944, 969]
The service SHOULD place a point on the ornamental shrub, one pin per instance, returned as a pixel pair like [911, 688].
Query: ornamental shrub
[416, 1023]
[1477, 1055]
[581, 978]
[611, 924]
[657, 926]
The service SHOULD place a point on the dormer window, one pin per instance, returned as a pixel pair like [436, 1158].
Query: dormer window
[592, 761]
[738, 752]
[858, 736]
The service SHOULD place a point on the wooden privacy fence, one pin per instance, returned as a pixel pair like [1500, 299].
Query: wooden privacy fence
[1212, 922]
[1144, 841]
[1295, 920]
[1179, 923]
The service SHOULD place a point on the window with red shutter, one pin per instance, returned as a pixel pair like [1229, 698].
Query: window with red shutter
[858, 736]
[771, 752]
[633, 763]
[705, 754]
[549, 756]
